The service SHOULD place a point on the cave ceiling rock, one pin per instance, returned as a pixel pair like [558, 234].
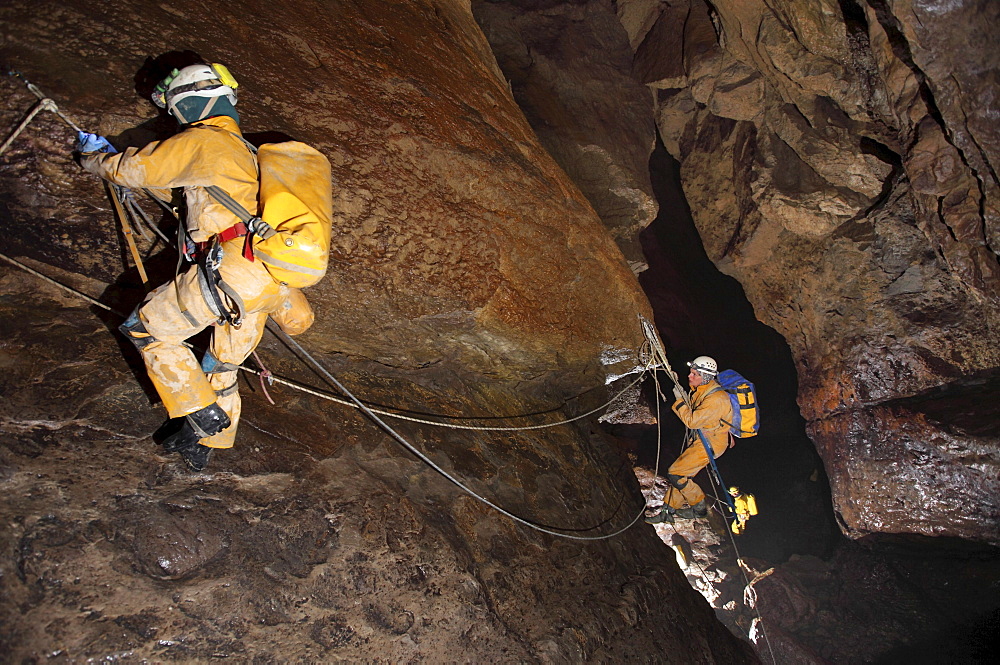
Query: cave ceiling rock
[567, 64]
[681, 50]
[955, 212]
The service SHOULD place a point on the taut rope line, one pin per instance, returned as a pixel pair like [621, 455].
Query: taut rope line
[374, 415]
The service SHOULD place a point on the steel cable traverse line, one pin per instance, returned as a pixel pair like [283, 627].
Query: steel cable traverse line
[373, 414]
[648, 330]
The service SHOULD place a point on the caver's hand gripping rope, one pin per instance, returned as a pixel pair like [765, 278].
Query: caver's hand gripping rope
[649, 331]
[119, 196]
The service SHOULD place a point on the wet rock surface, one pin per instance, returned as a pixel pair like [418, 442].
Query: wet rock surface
[828, 168]
[470, 277]
[569, 65]
[332, 545]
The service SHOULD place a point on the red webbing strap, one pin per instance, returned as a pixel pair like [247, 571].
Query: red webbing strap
[238, 230]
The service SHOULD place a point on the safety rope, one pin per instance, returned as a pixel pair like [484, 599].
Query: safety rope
[273, 378]
[406, 444]
[92, 301]
[265, 375]
[399, 416]
[42, 105]
[739, 558]
[371, 413]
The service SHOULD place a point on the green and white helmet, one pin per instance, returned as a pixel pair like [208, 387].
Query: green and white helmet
[204, 81]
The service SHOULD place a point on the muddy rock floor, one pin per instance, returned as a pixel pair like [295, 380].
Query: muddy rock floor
[316, 538]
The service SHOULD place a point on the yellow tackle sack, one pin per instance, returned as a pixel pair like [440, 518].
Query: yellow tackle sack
[291, 234]
[296, 200]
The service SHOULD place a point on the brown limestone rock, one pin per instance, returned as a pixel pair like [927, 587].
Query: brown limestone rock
[568, 66]
[856, 207]
[457, 239]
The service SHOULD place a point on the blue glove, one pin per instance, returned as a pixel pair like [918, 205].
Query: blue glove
[87, 142]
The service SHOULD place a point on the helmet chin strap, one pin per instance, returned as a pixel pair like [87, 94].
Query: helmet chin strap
[208, 107]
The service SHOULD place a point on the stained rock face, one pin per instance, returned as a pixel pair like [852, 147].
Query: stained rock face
[568, 65]
[839, 161]
[427, 229]
[470, 277]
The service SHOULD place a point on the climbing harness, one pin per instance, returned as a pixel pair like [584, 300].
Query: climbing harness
[374, 415]
[715, 469]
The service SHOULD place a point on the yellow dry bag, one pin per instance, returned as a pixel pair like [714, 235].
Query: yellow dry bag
[291, 236]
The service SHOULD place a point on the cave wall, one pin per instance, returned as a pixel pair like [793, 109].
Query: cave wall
[436, 258]
[839, 160]
[568, 65]
[469, 276]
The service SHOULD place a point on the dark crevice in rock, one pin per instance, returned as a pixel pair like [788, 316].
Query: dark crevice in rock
[967, 405]
[901, 48]
[870, 146]
[701, 311]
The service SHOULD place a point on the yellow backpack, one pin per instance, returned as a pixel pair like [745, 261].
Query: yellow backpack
[291, 235]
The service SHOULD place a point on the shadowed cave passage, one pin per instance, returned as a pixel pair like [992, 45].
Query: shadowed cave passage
[922, 599]
[701, 311]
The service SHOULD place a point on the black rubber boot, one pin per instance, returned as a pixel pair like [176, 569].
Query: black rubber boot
[196, 456]
[685, 513]
[169, 428]
[665, 515]
[196, 426]
[700, 509]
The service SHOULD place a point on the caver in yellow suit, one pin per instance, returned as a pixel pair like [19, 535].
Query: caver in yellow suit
[746, 507]
[202, 399]
[710, 407]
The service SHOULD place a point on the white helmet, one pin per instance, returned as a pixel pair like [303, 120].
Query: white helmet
[705, 366]
[195, 81]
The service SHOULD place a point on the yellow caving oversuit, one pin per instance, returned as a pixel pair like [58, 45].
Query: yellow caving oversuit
[207, 152]
[710, 405]
[746, 507]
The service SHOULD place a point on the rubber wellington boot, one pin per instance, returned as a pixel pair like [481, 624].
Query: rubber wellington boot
[168, 429]
[685, 513]
[196, 456]
[700, 509]
[194, 427]
[665, 515]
